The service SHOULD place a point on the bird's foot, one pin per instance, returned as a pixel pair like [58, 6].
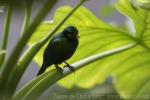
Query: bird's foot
[59, 69]
[70, 67]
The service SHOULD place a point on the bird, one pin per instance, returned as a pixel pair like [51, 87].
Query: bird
[60, 48]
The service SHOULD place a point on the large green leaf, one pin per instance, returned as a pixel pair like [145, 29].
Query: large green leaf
[133, 77]
[96, 36]
[129, 69]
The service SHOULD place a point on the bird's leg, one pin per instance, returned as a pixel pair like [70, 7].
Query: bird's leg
[69, 66]
[59, 69]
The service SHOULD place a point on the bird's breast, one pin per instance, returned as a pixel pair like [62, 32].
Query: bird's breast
[68, 49]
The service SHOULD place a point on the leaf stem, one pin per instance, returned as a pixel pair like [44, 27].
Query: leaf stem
[6, 31]
[11, 62]
[28, 10]
[36, 87]
[2, 52]
[30, 53]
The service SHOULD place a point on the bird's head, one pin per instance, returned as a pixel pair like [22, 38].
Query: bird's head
[71, 33]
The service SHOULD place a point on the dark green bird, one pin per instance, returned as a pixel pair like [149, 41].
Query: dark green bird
[61, 47]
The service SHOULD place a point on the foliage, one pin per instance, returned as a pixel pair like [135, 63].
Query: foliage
[104, 51]
[97, 37]
[12, 69]
[145, 4]
[107, 10]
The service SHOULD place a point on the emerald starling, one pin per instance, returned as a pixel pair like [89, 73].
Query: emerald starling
[61, 47]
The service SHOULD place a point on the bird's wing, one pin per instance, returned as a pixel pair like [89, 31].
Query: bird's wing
[53, 49]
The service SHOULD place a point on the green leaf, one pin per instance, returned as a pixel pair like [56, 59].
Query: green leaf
[107, 10]
[98, 92]
[130, 68]
[19, 94]
[140, 17]
[11, 63]
[145, 4]
[38, 85]
[31, 52]
[132, 78]
[96, 36]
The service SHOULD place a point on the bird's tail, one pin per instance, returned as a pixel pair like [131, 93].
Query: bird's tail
[42, 70]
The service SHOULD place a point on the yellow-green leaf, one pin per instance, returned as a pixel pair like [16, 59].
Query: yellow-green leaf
[96, 36]
[129, 69]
